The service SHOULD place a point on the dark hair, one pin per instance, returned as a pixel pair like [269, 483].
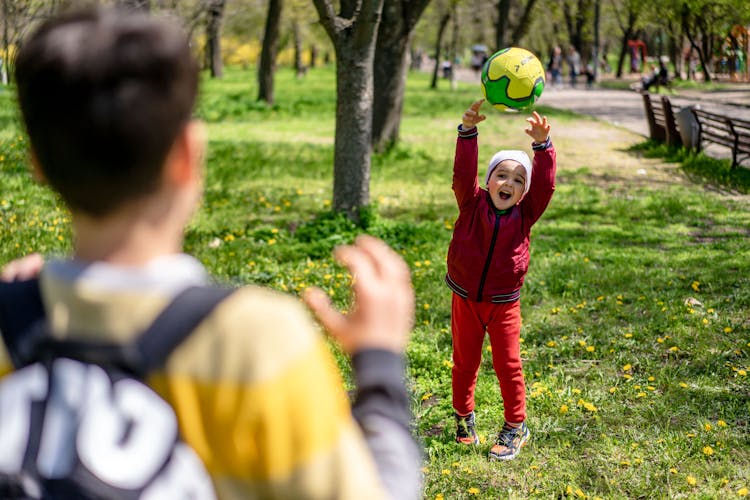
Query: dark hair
[104, 94]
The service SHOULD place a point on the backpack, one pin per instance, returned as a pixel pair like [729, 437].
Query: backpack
[76, 419]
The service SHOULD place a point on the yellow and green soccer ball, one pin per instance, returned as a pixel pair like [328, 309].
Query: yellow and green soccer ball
[512, 78]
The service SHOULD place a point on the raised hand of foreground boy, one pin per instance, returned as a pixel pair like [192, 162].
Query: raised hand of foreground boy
[382, 314]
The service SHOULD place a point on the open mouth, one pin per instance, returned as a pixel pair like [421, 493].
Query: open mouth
[504, 196]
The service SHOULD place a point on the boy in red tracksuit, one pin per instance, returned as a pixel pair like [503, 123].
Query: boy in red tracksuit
[487, 260]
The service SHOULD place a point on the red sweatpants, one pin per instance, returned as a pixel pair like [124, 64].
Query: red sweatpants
[469, 321]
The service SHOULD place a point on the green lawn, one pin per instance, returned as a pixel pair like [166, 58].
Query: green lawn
[636, 335]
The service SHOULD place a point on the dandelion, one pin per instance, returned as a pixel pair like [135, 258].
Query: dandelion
[551, 343]
[727, 329]
[628, 335]
[426, 306]
[473, 491]
[564, 409]
[707, 426]
[660, 340]
[742, 492]
[683, 385]
[627, 367]
[439, 496]
[691, 480]
[674, 348]
[448, 363]
[271, 241]
[426, 396]
[446, 472]
[741, 373]
[721, 423]
[708, 451]
[590, 348]
[673, 471]
[612, 390]
[489, 348]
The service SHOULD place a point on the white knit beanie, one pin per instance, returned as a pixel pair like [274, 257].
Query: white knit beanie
[519, 156]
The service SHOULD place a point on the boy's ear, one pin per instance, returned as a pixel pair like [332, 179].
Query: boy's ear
[185, 160]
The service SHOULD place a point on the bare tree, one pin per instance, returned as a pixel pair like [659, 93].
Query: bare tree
[353, 33]
[391, 66]
[267, 66]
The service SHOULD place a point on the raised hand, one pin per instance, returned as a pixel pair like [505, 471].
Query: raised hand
[539, 130]
[471, 116]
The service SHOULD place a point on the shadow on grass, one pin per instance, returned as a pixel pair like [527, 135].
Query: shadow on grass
[698, 168]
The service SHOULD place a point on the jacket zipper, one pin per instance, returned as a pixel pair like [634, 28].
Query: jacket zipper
[489, 258]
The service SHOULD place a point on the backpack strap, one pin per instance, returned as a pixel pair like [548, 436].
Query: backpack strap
[175, 324]
[147, 353]
[20, 307]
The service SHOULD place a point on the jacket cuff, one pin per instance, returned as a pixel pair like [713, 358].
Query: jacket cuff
[539, 146]
[379, 375]
[467, 134]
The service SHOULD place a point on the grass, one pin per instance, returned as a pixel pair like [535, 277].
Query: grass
[636, 337]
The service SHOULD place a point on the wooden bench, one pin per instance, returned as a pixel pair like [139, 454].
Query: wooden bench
[724, 131]
[660, 115]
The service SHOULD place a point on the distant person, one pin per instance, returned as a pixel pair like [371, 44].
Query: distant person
[487, 261]
[574, 65]
[554, 67]
[107, 99]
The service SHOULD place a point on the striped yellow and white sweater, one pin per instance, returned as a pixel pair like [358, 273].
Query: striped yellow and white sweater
[257, 393]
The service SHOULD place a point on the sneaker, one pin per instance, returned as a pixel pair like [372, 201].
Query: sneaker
[465, 429]
[509, 442]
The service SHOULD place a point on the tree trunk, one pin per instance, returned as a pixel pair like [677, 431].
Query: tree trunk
[623, 51]
[597, 40]
[313, 55]
[438, 48]
[390, 68]
[501, 28]
[6, 44]
[686, 26]
[353, 33]
[267, 66]
[352, 150]
[214, 17]
[524, 24]
[299, 69]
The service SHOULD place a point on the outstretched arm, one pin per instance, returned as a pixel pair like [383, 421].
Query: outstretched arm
[471, 116]
[375, 333]
[538, 129]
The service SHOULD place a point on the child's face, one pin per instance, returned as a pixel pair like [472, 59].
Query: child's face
[506, 184]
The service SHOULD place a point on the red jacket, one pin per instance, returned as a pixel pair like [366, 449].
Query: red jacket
[489, 253]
